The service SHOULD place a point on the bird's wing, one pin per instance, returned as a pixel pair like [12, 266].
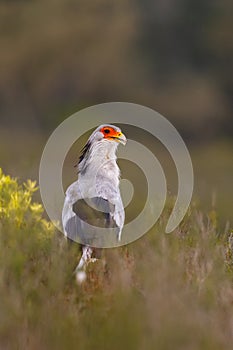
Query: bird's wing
[108, 191]
[85, 218]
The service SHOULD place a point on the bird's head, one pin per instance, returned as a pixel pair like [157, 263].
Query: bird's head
[103, 140]
[109, 133]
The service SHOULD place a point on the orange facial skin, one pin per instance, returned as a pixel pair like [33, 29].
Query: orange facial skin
[110, 133]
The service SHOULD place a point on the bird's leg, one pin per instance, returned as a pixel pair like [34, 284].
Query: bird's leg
[87, 252]
[85, 259]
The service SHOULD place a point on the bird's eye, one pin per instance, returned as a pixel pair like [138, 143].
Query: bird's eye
[106, 131]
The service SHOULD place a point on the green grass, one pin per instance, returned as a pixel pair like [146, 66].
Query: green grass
[161, 292]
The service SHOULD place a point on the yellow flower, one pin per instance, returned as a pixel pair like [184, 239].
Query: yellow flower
[30, 186]
[36, 207]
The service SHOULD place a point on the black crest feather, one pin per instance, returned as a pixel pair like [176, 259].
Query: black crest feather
[84, 152]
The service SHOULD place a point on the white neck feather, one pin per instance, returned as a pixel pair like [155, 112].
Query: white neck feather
[100, 163]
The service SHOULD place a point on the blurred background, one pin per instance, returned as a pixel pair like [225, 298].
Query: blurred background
[174, 56]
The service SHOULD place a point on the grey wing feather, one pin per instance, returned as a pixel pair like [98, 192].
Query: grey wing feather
[85, 219]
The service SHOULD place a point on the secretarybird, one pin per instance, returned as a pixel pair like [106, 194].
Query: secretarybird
[93, 202]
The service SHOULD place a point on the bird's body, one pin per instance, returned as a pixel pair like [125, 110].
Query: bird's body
[93, 202]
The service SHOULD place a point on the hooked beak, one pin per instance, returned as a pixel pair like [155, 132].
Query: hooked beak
[121, 138]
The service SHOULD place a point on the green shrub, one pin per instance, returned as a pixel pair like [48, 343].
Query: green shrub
[25, 234]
